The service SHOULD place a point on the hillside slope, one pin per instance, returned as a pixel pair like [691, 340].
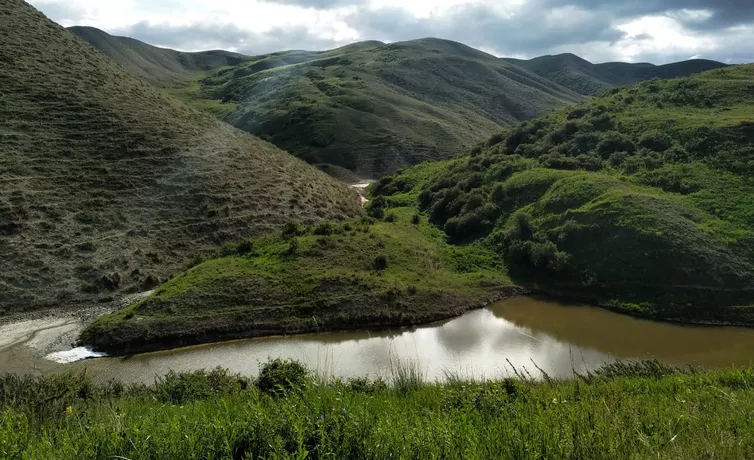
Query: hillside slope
[640, 200]
[160, 66]
[108, 185]
[590, 79]
[372, 108]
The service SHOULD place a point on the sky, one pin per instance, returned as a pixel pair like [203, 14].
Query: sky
[657, 31]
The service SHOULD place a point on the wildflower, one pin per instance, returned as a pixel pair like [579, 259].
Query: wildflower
[344, 410]
[321, 416]
[69, 410]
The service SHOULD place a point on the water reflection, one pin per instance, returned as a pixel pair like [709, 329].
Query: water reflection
[485, 343]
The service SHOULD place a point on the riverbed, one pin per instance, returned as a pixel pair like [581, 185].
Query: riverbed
[532, 335]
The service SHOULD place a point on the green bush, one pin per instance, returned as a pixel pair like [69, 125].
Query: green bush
[614, 142]
[416, 219]
[292, 228]
[177, 388]
[245, 247]
[380, 262]
[277, 377]
[324, 229]
[391, 217]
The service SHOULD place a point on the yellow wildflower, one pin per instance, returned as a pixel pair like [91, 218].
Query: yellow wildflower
[69, 410]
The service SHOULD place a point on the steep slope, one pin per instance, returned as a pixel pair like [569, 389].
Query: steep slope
[108, 185]
[159, 66]
[372, 108]
[641, 199]
[590, 79]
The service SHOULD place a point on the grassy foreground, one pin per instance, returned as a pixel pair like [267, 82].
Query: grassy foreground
[626, 411]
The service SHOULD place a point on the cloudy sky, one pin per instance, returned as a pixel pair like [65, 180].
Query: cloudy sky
[656, 31]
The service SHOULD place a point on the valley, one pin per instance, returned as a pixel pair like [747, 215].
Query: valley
[410, 249]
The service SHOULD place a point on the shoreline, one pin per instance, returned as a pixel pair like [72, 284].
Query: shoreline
[229, 336]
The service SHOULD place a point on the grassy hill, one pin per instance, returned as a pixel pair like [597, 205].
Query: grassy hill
[159, 66]
[590, 79]
[363, 273]
[107, 185]
[372, 108]
[641, 200]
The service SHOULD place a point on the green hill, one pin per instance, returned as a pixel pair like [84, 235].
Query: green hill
[590, 79]
[640, 200]
[159, 66]
[107, 185]
[372, 108]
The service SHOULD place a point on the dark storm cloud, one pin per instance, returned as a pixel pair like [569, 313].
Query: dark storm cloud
[541, 26]
[723, 13]
[225, 36]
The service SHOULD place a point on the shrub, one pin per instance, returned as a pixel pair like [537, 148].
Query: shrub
[495, 139]
[380, 262]
[425, 199]
[391, 217]
[615, 142]
[617, 159]
[292, 228]
[246, 247]
[416, 219]
[277, 376]
[324, 229]
[182, 388]
[364, 385]
[656, 141]
[498, 194]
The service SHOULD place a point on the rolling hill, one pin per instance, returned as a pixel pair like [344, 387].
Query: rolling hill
[372, 108]
[107, 185]
[639, 200]
[590, 79]
[159, 66]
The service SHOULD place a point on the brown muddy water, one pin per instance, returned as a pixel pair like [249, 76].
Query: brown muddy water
[484, 343]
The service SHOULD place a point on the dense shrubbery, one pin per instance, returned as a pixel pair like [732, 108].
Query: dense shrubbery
[563, 199]
[277, 376]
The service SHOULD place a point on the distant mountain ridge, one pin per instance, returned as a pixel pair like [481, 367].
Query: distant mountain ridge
[586, 78]
[371, 107]
[159, 66]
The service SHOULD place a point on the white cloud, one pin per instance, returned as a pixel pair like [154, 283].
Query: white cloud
[654, 30]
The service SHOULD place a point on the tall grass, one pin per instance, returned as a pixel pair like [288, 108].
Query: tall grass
[663, 415]
[406, 374]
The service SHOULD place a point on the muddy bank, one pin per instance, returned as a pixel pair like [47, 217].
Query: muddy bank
[27, 338]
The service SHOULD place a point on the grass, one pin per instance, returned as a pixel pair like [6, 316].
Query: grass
[373, 108]
[630, 411]
[362, 273]
[640, 200]
[109, 186]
